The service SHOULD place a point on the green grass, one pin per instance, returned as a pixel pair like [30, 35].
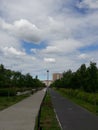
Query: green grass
[8, 101]
[48, 119]
[80, 101]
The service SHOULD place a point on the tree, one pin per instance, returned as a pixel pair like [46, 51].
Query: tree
[84, 78]
[28, 80]
[92, 77]
[67, 76]
[2, 75]
[82, 75]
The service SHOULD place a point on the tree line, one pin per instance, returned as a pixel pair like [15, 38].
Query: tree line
[85, 78]
[11, 79]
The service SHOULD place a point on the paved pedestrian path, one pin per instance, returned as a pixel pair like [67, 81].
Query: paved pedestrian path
[22, 115]
[72, 116]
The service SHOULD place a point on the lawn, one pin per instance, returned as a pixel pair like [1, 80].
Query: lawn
[48, 120]
[8, 101]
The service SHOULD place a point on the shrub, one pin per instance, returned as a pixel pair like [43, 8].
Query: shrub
[7, 92]
[79, 94]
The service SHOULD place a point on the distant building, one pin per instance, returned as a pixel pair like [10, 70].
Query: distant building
[57, 76]
[47, 82]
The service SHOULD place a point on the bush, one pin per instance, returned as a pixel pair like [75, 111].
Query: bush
[87, 97]
[7, 92]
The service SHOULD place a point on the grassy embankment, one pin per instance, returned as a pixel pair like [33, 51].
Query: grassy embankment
[8, 97]
[84, 99]
[48, 119]
[8, 101]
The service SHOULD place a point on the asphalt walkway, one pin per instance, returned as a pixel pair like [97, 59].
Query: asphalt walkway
[72, 116]
[22, 115]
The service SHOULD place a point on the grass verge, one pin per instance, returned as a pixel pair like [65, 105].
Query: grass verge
[8, 101]
[48, 119]
[89, 106]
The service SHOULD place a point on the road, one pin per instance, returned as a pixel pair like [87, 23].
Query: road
[72, 116]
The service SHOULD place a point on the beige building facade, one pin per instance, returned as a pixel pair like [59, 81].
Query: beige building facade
[57, 76]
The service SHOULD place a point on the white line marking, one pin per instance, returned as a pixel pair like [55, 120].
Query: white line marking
[58, 120]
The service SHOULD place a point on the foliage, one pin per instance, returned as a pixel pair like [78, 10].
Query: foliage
[85, 78]
[7, 92]
[85, 99]
[10, 80]
[8, 101]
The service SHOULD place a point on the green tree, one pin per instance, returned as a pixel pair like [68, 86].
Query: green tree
[2, 75]
[82, 76]
[92, 77]
[67, 77]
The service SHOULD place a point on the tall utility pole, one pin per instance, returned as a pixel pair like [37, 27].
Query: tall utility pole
[47, 78]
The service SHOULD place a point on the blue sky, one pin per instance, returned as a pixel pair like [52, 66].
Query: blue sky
[57, 35]
[90, 48]
[29, 46]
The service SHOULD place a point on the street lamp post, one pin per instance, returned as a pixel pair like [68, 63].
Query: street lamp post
[47, 78]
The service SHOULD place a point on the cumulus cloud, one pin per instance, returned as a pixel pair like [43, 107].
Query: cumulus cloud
[83, 56]
[62, 46]
[93, 4]
[50, 60]
[33, 50]
[23, 29]
[12, 51]
[56, 29]
[8, 40]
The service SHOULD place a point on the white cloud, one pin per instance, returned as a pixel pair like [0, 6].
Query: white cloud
[33, 50]
[93, 4]
[64, 29]
[62, 46]
[12, 51]
[23, 29]
[8, 40]
[51, 49]
[50, 60]
[83, 56]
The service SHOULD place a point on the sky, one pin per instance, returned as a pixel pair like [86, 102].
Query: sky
[54, 35]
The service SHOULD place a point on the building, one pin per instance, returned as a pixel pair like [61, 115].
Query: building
[57, 76]
[47, 82]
